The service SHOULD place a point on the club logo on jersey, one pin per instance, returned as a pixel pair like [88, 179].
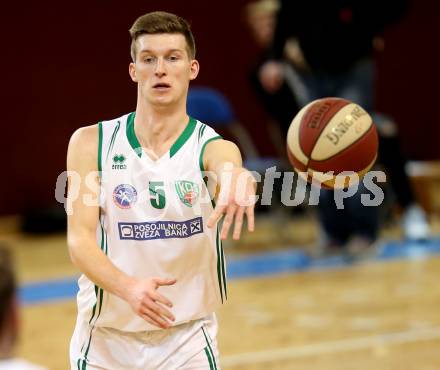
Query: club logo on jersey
[124, 196]
[187, 191]
[118, 162]
[160, 229]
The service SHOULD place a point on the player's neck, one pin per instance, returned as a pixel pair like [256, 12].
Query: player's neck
[157, 128]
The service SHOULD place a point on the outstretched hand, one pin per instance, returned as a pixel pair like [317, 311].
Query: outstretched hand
[236, 198]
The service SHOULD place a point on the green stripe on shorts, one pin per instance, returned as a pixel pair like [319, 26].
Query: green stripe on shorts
[209, 352]
[211, 367]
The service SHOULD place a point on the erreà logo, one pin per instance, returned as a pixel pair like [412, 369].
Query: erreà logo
[118, 162]
[187, 191]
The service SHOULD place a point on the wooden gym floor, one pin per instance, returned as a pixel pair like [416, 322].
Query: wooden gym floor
[381, 314]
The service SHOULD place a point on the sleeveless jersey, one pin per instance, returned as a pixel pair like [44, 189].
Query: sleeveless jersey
[153, 219]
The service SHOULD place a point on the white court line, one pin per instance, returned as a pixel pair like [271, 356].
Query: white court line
[344, 345]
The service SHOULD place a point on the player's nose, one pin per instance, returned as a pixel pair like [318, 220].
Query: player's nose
[160, 67]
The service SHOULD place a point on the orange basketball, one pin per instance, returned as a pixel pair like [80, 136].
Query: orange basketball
[330, 136]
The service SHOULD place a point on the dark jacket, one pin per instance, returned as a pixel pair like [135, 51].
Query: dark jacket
[334, 34]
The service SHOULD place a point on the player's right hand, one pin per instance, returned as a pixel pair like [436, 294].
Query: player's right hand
[148, 303]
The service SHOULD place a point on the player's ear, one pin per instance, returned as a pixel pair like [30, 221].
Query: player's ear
[132, 71]
[194, 71]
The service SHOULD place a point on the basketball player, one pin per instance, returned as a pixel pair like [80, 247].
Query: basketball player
[150, 251]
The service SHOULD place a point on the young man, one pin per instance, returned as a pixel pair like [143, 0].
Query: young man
[150, 251]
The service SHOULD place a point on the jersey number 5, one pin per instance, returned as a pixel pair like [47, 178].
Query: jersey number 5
[157, 194]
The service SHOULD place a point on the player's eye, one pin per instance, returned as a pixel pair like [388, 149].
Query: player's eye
[173, 58]
[148, 59]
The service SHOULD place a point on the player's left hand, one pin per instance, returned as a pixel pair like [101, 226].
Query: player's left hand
[236, 198]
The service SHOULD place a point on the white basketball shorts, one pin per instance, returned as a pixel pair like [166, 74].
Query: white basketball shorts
[189, 346]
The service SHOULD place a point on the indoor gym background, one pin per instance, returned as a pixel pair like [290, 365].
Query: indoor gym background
[67, 67]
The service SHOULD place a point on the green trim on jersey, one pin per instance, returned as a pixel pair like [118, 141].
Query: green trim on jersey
[112, 141]
[202, 166]
[184, 136]
[98, 290]
[101, 298]
[131, 135]
[201, 129]
[99, 147]
[96, 303]
[219, 249]
[223, 270]
[181, 140]
[99, 293]
[202, 151]
[221, 276]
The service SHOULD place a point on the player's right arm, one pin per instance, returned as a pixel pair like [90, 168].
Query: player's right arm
[142, 295]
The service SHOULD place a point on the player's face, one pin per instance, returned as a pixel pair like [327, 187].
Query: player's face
[163, 68]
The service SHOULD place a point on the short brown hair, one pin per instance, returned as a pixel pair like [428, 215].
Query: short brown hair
[161, 22]
[7, 285]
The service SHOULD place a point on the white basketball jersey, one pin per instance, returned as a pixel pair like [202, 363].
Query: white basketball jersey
[153, 224]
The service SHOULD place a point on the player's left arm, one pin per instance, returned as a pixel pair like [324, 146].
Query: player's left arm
[236, 196]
